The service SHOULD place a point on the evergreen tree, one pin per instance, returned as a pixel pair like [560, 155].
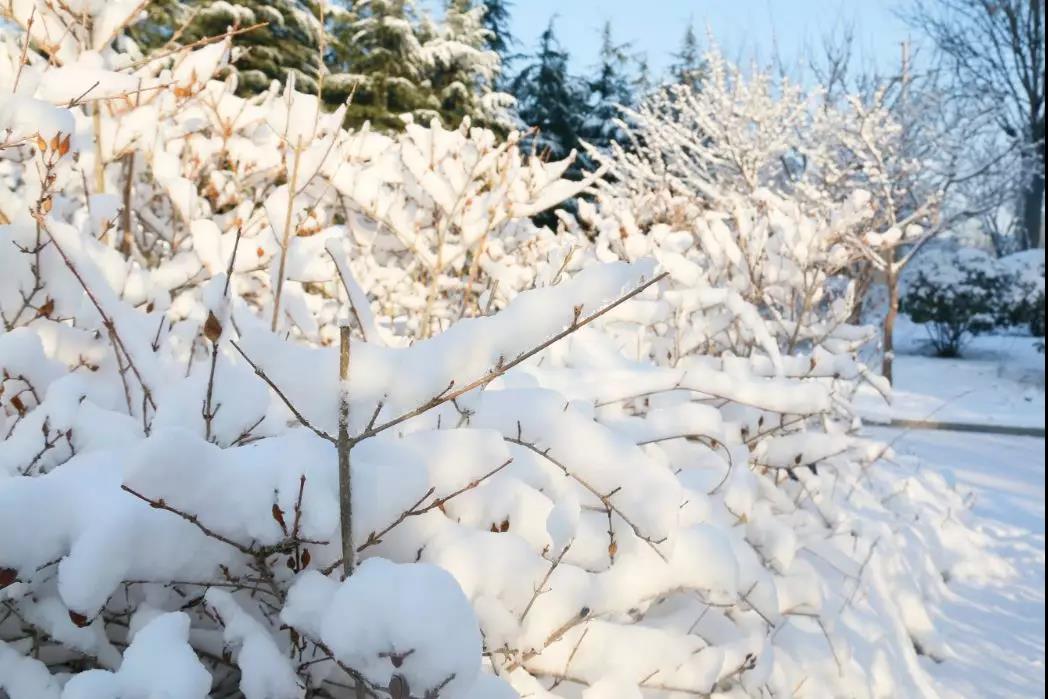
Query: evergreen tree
[688, 66]
[642, 83]
[610, 89]
[385, 66]
[499, 38]
[496, 22]
[549, 99]
[463, 70]
[290, 41]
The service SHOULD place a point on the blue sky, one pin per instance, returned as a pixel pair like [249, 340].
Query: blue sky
[747, 29]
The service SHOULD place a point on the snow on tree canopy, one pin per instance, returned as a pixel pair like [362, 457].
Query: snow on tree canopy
[291, 410]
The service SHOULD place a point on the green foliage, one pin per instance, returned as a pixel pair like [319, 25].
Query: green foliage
[391, 58]
[385, 68]
[290, 41]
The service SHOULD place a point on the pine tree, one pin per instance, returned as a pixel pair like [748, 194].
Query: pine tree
[290, 41]
[688, 66]
[642, 83]
[549, 99]
[463, 70]
[496, 22]
[385, 66]
[610, 89]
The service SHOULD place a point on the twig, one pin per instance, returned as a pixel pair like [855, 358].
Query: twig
[294, 411]
[345, 491]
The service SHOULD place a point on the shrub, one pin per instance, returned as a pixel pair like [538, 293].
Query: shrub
[956, 294]
[1023, 299]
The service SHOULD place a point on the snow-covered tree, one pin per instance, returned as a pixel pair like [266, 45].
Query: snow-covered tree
[610, 89]
[496, 20]
[464, 70]
[747, 133]
[688, 66]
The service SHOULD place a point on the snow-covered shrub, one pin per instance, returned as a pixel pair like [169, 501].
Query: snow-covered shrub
[1023, 298]
[289, 410]
[956, 293]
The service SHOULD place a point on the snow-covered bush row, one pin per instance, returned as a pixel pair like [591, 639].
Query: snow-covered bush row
[615, 461]
[960, 292]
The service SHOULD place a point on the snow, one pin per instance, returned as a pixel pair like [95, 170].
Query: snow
[999, 381]
[993, 614]
[992, 619]
[389, 619]
[567, 473]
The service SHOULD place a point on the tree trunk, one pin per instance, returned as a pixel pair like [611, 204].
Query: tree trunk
[1033, 200]
[1033, 197]
[888, 340]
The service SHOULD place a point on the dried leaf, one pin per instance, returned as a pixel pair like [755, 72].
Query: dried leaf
[278, 515]
[305, 557]
[213, 329]
[78, 619]
[8, 576]
[45, 310]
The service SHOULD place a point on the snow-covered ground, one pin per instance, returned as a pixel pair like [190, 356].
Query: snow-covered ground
[995, 626]
[998, 381]
[994, 622]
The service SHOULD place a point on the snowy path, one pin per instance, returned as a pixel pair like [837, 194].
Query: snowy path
[1000, 381]
[995, 628]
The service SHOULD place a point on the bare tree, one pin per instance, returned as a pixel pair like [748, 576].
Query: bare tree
[996, 51]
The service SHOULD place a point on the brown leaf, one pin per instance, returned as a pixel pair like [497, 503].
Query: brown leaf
[504, 527]
[17, 404]
[8, 576]
[213, 331]
[305, 557]
[78, 619]
[46, 309]
[278, 515]
[45, 205]
[63, 146]
[613, 548]
[41, 144]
